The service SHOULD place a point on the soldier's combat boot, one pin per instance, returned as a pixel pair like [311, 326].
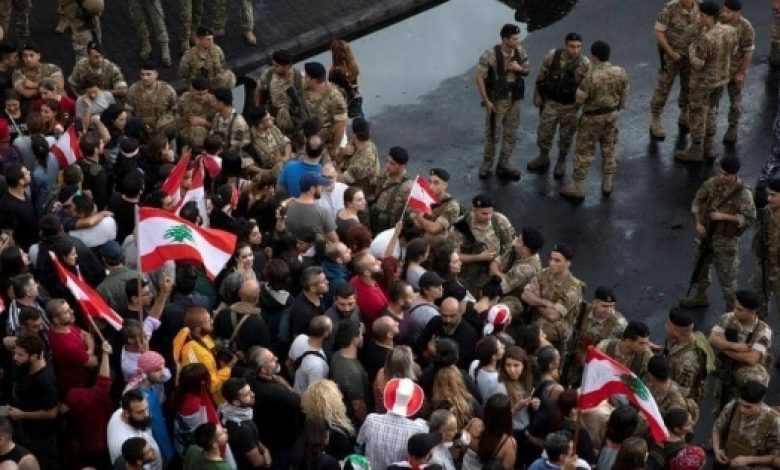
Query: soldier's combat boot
[683, 122]
[249, 37]
[606, 184]
[730, 137]
[774, 54]
[146, 49]
[508, 172]
[165, 54]
[691, 154]
[574, 191]
[484, 170]
[698, 299]
[560, 166]
[541, 163]
[709, 148]
[657, 128]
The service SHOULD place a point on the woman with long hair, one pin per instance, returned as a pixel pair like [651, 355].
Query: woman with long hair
[13, 261]
[515, 380]
[324, 400]
[53, 120]
[186, 403]
[310, 449]
[112, 125]
[345, 73]
[491, 437]
[399, 364]
[620, 427]
[354, 203]
[546, 416]
[250, 233]
[417, 251]
[445, 260]
[240, 269]
[531, 338]
[221, 215]
[259, 202]
[484, 369]
[450, 391]
[156, 153]
[632, 454]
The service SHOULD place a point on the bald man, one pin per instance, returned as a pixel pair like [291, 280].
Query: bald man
[449, 324]
[241, 322]
[373, 354]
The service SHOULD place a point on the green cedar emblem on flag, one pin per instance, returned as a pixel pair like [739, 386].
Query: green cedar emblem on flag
[636, 385]
[179, 234]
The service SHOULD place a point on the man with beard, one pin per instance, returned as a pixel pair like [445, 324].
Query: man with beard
[243, 437]
[136, 453]
[16, 206]
[401, 296]
[343, 310]
[349, 374]
[308, 304]
[448, 324]
[72, 348]
[303, 212]
[34, 408]
[371, 298]
[132, 420]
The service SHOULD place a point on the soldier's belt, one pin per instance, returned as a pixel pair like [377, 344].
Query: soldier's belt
[600, 111]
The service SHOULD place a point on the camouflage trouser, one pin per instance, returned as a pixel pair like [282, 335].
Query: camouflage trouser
[591, 130]
[190, 14]
[22, 10]
[773, 288]
[220, 15]
[154, 9]
[724, 256]
[557, 332]
[735, 101]
[194, 136]
[666, 74]
[503, 122]
[704, 111]
[81, 28]
[557, 116]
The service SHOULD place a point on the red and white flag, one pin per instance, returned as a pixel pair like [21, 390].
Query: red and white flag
[172, 184]
[163, 236]
[67, 149]
[197, 193]
[204, 413]
[212, 163]
[421, 196]
[604, 377]
[91, 302]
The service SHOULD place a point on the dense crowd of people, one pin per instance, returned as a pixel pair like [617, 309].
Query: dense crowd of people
[366, 318]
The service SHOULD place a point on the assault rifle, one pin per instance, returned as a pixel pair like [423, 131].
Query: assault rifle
[573, 345]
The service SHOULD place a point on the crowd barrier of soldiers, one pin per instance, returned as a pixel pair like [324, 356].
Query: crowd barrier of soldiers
[708, 47]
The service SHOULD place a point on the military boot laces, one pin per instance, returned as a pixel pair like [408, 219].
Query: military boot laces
[692, 154]
[730, 137]
[657, 128]
[539, 164]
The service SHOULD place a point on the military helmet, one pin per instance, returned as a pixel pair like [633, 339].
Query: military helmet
[94, 7]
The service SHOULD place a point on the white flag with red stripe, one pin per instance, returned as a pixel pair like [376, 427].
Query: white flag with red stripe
[163, 236]
[172, 184]
[91, 302]
[197, 193]
[212, 163]
[67, 149]
[604, 377]
[421, 196]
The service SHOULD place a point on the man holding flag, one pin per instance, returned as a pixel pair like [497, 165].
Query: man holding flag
[444, 210]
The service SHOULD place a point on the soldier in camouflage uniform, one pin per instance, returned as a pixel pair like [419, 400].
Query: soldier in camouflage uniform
[710, 59]
[153, 100]
[632, 349]
[676, 28]
[480, 236]
[766, 250]
[687, 361]
[739, 64]
[774, 52]
[272, 91]
[190, 14]
[206, 60]
[325, 102]
[665, 391]
[106, 73]
[247, 19]
[361, 167]
[138, 10]
[751, 429]
[272, 146]
[386, 204]
[556, 86]
[554, 296]
[231, 125]
[195, 114]
[722, 209]
[27, 79]
[438, 224]
[499, 77]
[521, 265]
[749, 354]
[21, 10]
[602, 94]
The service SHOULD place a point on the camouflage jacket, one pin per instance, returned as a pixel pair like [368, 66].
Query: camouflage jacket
[109, 76]
[44, 70]
[606, 87]
[680, 25]
[768, 226]
[362, 168]
[687, 369]
[187, 107]
[388, 200]
[209, 65]
[758, 435]
[497, 235]
[746, 42]
[518, 272]
[157, 107]
[710, 197]
[328, 106]
[565, 291]
[711, 59]
[233, 129]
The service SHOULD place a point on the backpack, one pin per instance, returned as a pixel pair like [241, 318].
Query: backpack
[293, 366]
[659, 457]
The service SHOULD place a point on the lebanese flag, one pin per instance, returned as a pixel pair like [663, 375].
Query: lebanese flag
[67, 149]
[163, 236]
[91, 302]
[212, 163]
[172, 184]
[604, 377]
[205, 413]
[197, 193]
[421, 196]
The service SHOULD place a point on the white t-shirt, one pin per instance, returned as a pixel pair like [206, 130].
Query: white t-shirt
[96, 236]
[118, 432]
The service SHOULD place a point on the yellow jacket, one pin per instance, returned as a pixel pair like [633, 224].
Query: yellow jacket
[188, 351]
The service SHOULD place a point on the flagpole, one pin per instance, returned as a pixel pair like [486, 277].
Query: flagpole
[406, 204]
[138, 256]
[95, 327]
